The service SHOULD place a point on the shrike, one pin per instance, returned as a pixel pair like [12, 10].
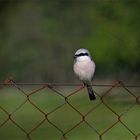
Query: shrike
[84, 68]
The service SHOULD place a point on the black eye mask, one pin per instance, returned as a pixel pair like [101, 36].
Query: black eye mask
[80, 54]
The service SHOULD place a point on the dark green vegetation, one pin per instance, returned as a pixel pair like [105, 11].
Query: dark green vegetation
[65, 117]
[38, 38]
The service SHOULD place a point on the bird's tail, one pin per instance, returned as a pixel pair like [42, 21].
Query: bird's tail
[90, 92]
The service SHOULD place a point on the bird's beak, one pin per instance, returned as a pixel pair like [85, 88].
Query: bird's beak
[75, 57]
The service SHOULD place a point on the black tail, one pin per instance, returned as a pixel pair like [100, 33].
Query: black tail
[90, 92]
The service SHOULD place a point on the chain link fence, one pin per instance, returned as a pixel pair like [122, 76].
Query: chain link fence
[44, 111]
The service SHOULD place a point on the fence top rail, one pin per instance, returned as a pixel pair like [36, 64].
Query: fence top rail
[72, 84]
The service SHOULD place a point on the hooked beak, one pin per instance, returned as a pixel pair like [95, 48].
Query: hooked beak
[75, 57]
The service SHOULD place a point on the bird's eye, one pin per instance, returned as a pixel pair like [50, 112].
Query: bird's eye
[81, 54]
[86, 54]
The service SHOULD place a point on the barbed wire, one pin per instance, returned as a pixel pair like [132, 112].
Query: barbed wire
[66, 100]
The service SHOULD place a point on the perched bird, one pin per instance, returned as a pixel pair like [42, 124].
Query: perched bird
[84, 68]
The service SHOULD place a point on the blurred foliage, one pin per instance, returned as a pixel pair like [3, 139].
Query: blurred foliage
[38, 38]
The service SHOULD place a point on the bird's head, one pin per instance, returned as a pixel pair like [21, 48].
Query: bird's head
[82, 54]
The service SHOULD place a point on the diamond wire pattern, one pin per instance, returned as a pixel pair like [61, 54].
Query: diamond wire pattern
[67, 101]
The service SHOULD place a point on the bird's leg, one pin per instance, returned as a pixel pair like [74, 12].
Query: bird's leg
[84, 84]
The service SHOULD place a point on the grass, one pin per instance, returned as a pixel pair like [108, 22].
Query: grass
[28, 117]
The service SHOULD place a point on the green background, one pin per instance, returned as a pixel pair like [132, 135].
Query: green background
[39, 38]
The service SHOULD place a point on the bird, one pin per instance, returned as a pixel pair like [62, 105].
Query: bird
[84, 69]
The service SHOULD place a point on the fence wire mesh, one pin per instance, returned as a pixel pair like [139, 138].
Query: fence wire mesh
[64, 112]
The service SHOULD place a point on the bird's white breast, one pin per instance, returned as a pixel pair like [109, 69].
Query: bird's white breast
[84, 68]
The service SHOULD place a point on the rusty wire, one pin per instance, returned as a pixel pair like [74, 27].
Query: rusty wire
[101, 97]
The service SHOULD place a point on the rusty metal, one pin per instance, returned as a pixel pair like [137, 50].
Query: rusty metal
[101, 97]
